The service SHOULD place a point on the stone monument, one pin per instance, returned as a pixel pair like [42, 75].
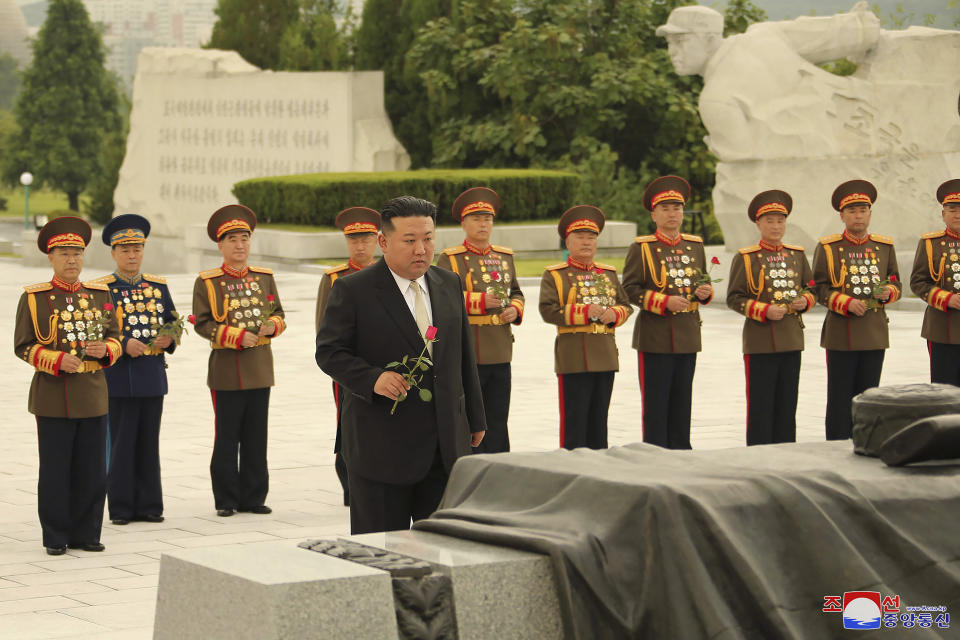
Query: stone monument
[203, 120]
[776, 120]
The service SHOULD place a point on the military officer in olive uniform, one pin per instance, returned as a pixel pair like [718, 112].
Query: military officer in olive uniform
[936, 280]
[662, 275]
[360, 227]
[138, 381]
[493, 301]
[856, 276]
[66, 332]
[238, 309]
[586, 302]
[770, 284]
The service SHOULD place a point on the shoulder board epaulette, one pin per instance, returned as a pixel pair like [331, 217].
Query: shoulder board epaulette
[40, 286]
[153, 278]
[795, 247]
[649, 238]
[99, 286]
[559, 265]
[605, 266]
[499, 249]
[691, 237]
[107, 279]
[876, 237]
[934, 234]
[338, 268]
[832, 238]
[211, 273]
[269, 272]
[752, 249]
[452, 251]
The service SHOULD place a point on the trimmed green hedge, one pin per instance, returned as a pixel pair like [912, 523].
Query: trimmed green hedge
[316, 198]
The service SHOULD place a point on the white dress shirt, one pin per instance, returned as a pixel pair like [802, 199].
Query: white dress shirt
[410, 297]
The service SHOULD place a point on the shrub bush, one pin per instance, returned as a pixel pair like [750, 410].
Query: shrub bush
[316, 198]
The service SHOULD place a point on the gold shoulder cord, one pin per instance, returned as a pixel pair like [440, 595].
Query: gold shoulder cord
[212, 296]
[556, 280]
[453, 264]
[936, 275]
[755, 288]
[32, 303]
[835, 282]
[468, 282]
[648, 258]
[333, 278]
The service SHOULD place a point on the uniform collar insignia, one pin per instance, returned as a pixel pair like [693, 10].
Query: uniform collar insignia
[134, 280]
[235, 273]
[766, 246]
[579, 265]
[66, 286]
[472, 248]
[672, 242]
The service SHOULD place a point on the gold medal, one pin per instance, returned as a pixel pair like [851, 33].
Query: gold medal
[84, 303]
[141, 307]
[778, 295]
[65, 315]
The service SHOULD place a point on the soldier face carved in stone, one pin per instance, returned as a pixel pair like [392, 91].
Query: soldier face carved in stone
[128, 257]
[407, 245]
[235, 247]
[856, 217]
[66, 262]
[478, 227]
[772, 226]
[668, 216]
[582, 245]
[362, 247]
[951, 217]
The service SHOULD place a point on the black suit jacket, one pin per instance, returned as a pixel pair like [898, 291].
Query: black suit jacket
[368, 324]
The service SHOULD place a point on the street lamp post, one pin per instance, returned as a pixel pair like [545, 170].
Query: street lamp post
[26, 179]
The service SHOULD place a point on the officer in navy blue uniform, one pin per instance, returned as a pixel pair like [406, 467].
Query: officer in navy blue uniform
[138, 381]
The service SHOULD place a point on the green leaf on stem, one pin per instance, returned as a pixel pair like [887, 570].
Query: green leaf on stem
[425, 395]
[392, 365]
[423, 366]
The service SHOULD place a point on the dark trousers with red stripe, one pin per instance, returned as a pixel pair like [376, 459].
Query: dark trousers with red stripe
[73, 479]
[773, 380]
[849, 373]
[584, 403]
[495, 385]
[238, 468]
[339, 464]
[944, 362]
[133, 481]
[666, 387]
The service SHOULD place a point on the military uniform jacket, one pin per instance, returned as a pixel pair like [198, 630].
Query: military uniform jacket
[53, 319]
[326, 283]
[935, 278]
[227, 303]
[762, 276]
[566, 292]
[658, 267]
[845, 268]
[141, 307]
[486, 271]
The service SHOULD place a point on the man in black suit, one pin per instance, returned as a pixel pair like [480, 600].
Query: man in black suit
[398, 464]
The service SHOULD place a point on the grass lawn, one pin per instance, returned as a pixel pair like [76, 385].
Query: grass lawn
[41, 201]
[534, 267]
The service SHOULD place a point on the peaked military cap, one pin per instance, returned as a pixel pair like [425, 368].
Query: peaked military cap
[127, 228]
[772, 201]
[949, 192]
[583, 217]
[666, 189]
[476, 200]
[233, 217]
[68, 231]
[853, 192]
[358, 220]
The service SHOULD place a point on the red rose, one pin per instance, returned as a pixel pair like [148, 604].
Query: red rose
[811, 284]
[270, 297]
[495, 275]
[431, 333]
[893, 278]
[108, 307]
[715, 260]
[192, 319]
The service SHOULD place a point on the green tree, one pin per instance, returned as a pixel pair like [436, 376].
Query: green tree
[9, 80]
[253, 28]
[99, 202]
[315, 42]
[739, 15]
[67, 106]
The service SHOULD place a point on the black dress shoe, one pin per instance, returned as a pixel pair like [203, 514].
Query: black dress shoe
[151, 518]
[262, 509]
[119, 521]
[88, 546]
[56, 551]
[225, 513]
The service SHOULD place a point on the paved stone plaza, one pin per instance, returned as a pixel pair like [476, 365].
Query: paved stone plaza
[112, 594]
